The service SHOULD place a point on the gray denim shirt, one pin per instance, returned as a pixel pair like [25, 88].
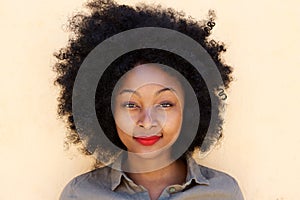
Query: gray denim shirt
[107, 183]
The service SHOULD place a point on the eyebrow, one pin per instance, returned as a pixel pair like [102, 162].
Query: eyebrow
[156, 93]
[130, 91]
[165, 89]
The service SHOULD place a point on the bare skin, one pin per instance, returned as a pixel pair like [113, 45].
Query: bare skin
[155, 182]
[150, 102]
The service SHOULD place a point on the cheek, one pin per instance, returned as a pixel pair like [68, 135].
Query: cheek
[173, 122]
[125, 138]
[122, 135]
[124, 121]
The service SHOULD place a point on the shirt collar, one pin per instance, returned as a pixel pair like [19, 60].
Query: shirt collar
[193, 173]
[116, 172]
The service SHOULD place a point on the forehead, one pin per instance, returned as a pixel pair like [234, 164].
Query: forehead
[149, 74]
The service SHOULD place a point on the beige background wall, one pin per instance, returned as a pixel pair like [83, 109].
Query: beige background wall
[262, 137]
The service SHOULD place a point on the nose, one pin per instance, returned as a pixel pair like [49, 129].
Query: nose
[147, 118]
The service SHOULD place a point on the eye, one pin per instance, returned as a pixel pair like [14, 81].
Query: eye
[165, 105]
[130, 105]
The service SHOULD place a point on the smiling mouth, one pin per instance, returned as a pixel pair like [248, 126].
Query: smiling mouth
[148, 141]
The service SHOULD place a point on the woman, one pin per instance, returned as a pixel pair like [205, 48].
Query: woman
[144, 106]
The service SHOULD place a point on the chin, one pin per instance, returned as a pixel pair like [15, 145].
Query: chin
[151, 154]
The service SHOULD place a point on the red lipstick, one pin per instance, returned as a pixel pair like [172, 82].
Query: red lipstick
[147, 141]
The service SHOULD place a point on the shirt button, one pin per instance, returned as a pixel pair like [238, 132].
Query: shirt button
[172, 190]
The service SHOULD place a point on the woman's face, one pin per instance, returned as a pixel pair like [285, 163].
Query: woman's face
[148, 109]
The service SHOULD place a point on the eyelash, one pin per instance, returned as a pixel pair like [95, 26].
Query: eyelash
[131, 105]
[166, 105]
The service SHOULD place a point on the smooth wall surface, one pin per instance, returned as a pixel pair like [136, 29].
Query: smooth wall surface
[262, 139]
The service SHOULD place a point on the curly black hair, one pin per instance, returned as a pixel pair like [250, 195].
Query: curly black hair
[105, 19]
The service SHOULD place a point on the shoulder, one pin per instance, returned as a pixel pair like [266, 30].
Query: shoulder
[216, 176]
[212, 183]
[222, 182]
[89, 184]
[100, 176]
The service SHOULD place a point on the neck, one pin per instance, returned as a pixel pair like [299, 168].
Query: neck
[145, 163]
[157, 177]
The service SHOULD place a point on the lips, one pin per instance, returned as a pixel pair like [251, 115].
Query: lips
[147, 141]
